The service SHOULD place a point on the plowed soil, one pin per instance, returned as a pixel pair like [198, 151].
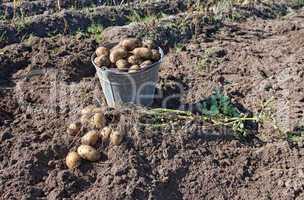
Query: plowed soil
[46, 80]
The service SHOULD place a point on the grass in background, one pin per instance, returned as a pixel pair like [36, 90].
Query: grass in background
[3, 36]
[137, 17]
[95, 30]
[298, 2]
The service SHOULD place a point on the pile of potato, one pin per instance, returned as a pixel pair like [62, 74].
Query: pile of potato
[130, 55]
[93, 118]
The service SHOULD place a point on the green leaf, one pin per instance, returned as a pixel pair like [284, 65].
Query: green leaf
[214, 110]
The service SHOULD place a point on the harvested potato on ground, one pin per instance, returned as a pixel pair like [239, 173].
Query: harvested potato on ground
[74, 128]
[143, 53]
[149, 44]
[116, 137]
[122, 65]
[105, 133]
[97, 110]
[90, 138]
[72, 160]
[130, 43]
[98, 120]
[102, 51]
[133, 60]
[117, 54]
[134, 68]
[102, 61]
[88, 153]
[146, 63]
[155, 55]
[85, 119]
[87, 110]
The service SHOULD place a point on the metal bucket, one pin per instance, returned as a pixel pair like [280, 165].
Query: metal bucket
[122, 87]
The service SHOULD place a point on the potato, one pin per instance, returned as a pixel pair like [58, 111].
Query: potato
[105, 133]
[85, 119]
[130, 43]
[87, 110]
[149, 44]
[122, 64]
[88, 153]
[72, 160]
[117, 54]
[90, 138]
[146, 63]
[102, 61]
[133, 60]
[74, 128]
[116, 137]
[102, 51]
[97, 110]
[155, 55]
[142, 52]
[98, 120]
[134, 68]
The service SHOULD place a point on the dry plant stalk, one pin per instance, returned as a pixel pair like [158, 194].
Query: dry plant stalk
[59, 3]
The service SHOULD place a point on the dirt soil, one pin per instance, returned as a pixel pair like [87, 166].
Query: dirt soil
[46, 81]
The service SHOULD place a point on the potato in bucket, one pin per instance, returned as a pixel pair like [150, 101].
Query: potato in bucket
[132, 74]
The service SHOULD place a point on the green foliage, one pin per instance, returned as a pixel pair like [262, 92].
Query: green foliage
[95, 30]
[3, 36]
[137, 17]
[2, 15]
[216, 109]
[20, 23]
[221, 111]
[178, 47]
[298, 2]
[297, 135]
[218, 104]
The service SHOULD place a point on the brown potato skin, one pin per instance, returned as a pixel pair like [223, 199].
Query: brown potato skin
[74, 128]
[87, 110]
[117, 54]
[116, 138]
[146, 63]
[133, 60]
[90, 138]
[105, 133]
[102, 51]
[88, 153]
[130, 43]
[143, 53]
[72, 160]
[102, 61]
[155, 55]
[149, 44]
[98, 120]
[134, 68]
[122, 64]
